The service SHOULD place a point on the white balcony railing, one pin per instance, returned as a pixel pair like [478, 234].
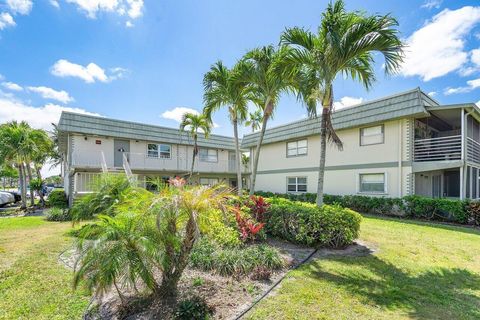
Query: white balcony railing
[438, 149]
[473, 150]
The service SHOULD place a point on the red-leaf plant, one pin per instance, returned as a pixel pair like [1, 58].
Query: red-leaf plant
[258, 208]
[247, 226]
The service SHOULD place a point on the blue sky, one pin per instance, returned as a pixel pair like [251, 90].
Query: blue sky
[138, 60]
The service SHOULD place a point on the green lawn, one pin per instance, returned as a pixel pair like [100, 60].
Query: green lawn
[419, 271]
[33, 285]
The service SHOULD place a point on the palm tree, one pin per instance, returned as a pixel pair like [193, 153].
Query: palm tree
[344, 44]
[15, 148]
[195, 123]
[226, 87]
[44, 149]
[268, 83]
[254, 120]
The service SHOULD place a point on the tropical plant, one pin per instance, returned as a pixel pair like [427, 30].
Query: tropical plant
[226, 87]
[267, 82]
[193, 123]
[254, 120]
[144, 234]
[344, 44]
[248, 227]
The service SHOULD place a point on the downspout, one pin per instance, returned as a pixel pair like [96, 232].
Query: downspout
[400, 143]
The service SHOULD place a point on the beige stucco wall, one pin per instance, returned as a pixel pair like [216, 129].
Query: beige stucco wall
[85, 152]
[343, 167]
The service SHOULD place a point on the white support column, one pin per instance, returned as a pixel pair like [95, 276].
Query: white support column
[400, 150]
[462, 168]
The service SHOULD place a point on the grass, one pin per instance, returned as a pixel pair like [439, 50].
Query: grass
[419, 271]
[33, 284]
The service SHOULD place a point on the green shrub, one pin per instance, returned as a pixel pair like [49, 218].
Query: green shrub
[194, 308]
[220, 228]
[57, 198]
[437, 209]
[209, 256]
[58, 214]
[330, 225]
[473, 210]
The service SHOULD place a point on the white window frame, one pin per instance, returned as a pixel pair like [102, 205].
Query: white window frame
[296, 148]
[382, 128]
[210, 181]
[385, 183]
[297, 184]
[159, 151]
[208, 155]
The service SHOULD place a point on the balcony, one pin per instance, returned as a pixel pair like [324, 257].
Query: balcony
[439, 149]
[142, 162]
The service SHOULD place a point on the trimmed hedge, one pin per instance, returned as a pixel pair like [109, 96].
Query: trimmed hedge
[416, 207]
[57, 198]
[300, 222]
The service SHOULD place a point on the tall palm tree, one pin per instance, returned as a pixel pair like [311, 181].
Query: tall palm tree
[254, 120]
[225, 87]
[267, 83]
[344, 44]
[44, 149]
[193, 123]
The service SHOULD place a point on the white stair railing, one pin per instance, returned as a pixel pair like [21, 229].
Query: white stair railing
[104, 163]
[126, 167]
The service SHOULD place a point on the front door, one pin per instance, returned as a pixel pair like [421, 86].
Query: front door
[231, 162]
[436, 186]
[120, 146]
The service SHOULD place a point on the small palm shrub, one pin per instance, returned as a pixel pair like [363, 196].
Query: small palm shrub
[108, 191]
[194, 308]
[305, 223]
[57, 198]
[58, 214]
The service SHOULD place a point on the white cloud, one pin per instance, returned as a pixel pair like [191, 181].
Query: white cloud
[37, 117]
[430, 4]
[6, 20]
[12, 86]
[478, 103]
[20, 6]
[346, 102]
[90, 73]
[430, 55]
[432, 93]
[475, 56]
[133, 8]
[129, 24]
[49, 93]
[471, 85]
[55, 3]
[177, 113]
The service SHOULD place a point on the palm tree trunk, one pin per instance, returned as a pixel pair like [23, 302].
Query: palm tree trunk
[195, 148]
[40, 192]
[29, 172]
[323, 150]
[237, 158]
[256, 155]
[21, 182]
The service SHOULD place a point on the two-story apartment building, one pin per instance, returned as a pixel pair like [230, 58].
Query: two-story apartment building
[149, 153]
[399, 145]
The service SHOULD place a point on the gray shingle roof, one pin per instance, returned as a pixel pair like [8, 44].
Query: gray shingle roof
[396, 106]
[91, 125]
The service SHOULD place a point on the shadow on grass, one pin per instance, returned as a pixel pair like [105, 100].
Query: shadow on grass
[440, 293]
[433, 224]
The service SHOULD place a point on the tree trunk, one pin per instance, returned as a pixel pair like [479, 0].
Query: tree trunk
[40, 192]
[195, 150]
[256, 155]
[21, 181]
[323, 150]
[237, 158]
[29, 172]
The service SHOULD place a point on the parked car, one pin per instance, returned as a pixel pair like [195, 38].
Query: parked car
[16, 195]
[6, 198]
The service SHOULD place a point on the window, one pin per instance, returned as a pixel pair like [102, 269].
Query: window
[163, 151]
[208, 155]
[371, 135]
[297, 148]
[208, 181]
[372, 183]
[297, 184]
